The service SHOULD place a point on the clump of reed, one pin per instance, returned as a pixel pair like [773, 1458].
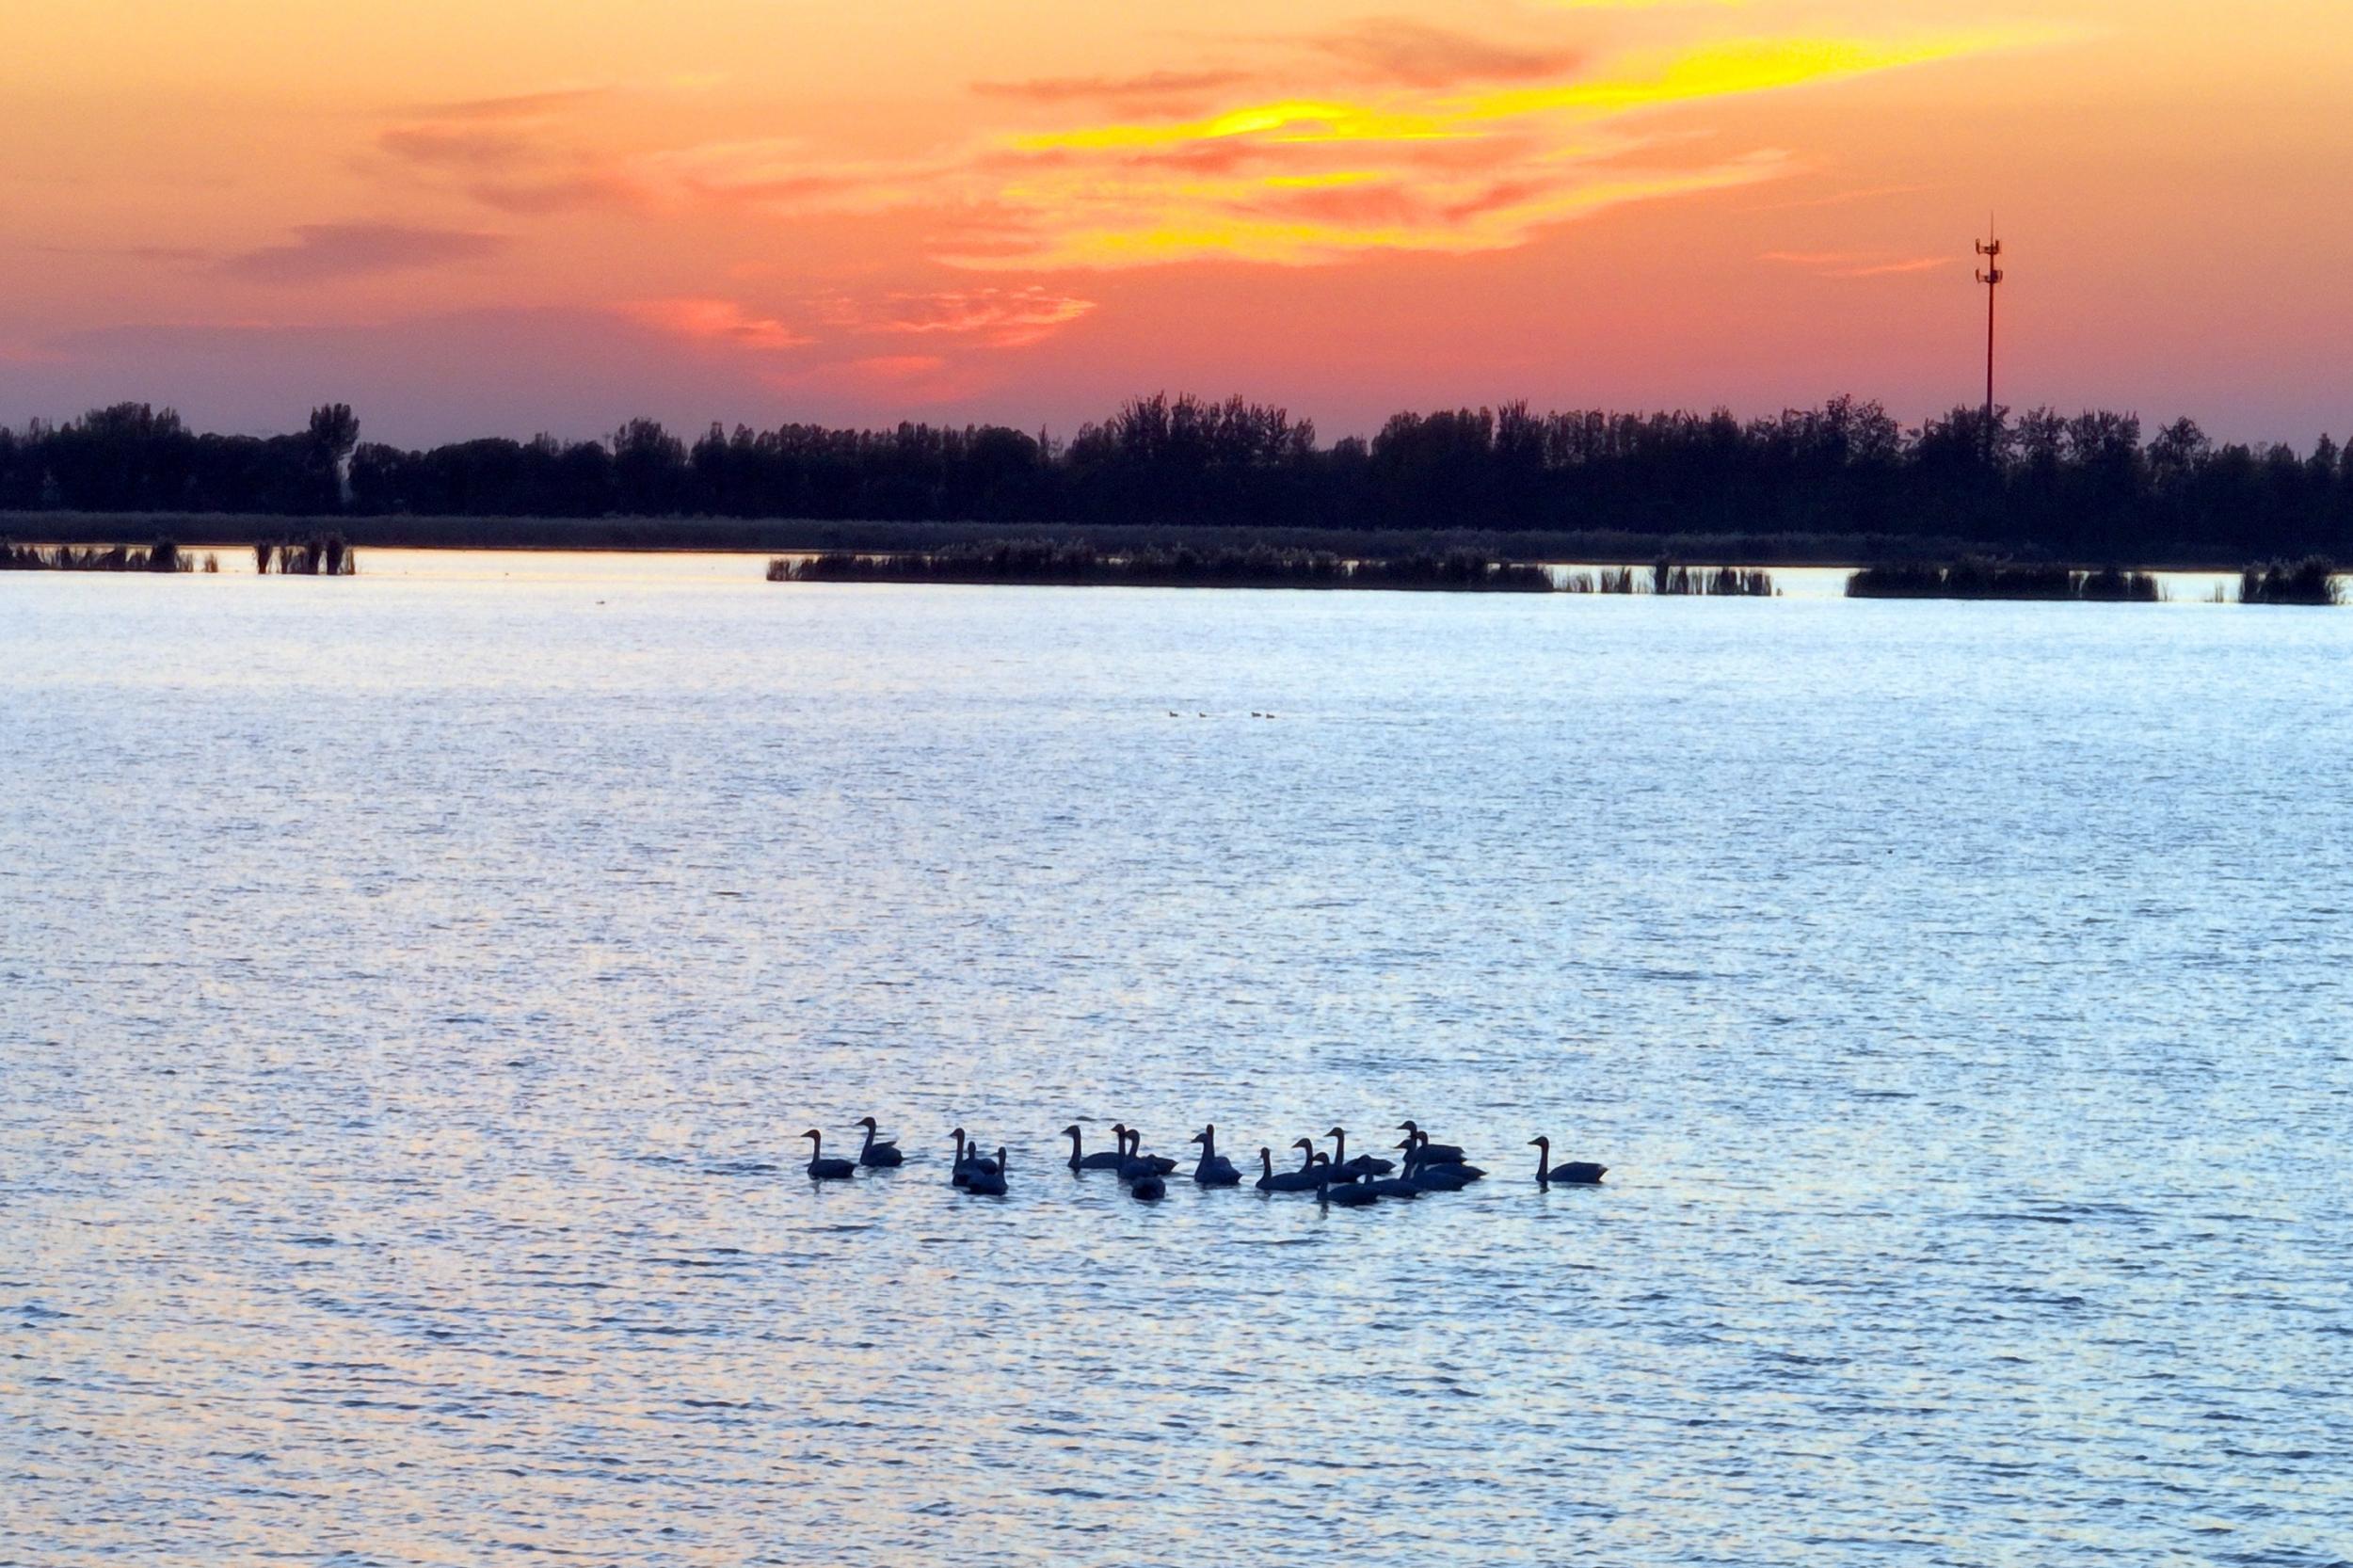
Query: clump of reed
[1077, 564]
[1978, 577]
[1666, 577]
[2310, 581]
[163, 555]
[2114, 585]
[1610, 579]
[316, 555]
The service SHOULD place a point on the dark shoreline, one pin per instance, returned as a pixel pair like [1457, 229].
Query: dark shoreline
[794, 536]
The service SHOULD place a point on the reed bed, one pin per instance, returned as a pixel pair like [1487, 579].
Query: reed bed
[2310, 581]
[317, 555]
[163, 555]
[1974, 577]
[1077, 564]
[1667, 578]
[1721, 583]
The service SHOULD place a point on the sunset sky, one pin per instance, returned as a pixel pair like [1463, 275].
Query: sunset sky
[470, 217]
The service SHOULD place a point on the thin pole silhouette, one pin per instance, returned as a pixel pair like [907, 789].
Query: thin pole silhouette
[1991, 276]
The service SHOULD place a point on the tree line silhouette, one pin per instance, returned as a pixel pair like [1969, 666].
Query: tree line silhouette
[2093, 486]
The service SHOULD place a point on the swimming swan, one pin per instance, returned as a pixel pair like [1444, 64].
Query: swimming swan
[822, 1169]
[1300, 1180]
[1579, 1173]
[1439, 1152]
[1215, 1170]
[987, 1179]
[1364, 1164]
[878, 1155]
[968, 1160]
[1436, 1175]
[1104, 1161]
[1139, 1164]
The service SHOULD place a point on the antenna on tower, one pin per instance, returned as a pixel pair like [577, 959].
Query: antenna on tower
[1991, 276]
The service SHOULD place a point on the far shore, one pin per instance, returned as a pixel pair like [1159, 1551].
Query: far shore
[217, 530]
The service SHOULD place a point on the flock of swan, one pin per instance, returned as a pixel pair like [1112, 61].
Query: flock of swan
[1335, 1178]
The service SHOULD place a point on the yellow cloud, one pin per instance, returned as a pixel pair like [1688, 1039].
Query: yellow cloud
[1315, 178]
[1745, 66]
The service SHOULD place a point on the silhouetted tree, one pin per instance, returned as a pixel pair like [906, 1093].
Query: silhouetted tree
[2038, 483]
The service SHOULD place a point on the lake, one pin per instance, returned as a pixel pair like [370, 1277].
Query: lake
[412, 987]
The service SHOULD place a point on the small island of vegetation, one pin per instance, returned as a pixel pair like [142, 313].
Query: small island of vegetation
[163, 555]
[1079, 563]
[1976, 578]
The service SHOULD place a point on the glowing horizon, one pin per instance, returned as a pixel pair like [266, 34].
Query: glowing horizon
[463, 220]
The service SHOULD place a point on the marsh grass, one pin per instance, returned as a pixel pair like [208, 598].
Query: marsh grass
[316, 555]
[1618, 579]
[2310, 581]
[1079, 564]
[1664, 577]
[2114, 585]
[1978, 577]
[162, 557]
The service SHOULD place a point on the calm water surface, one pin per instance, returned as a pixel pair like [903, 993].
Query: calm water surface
[411, 988]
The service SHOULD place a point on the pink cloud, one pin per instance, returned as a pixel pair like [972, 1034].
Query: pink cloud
[719, 322]
[995, 318]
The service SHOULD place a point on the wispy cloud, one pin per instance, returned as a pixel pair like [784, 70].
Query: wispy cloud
[461, 145]
[721, 322]
[1396, 49]
[992, 318]
[907, 381]
[1430, 139]
[508, 154]
[1855, 264]
[327, 253]
[520, 105]
[1837, 198]
[171, 255]
[1156, 88]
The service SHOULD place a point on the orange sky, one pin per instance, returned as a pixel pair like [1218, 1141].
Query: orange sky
[508, 216]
